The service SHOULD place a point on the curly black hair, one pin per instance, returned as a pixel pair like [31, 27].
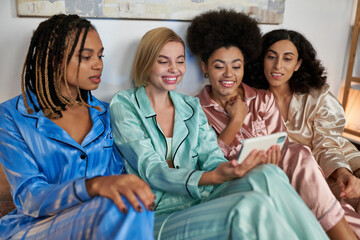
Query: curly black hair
[310, 75]
[224, 28]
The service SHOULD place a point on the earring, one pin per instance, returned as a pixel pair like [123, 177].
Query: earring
[206, 75]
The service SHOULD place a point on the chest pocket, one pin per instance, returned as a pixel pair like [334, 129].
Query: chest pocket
[194, 159]
[108, 143]
[194, 152]
[259, 128]
[108, 140]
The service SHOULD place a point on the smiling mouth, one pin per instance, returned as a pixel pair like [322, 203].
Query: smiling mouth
[227, 83]
[276, 74]
[170, 80]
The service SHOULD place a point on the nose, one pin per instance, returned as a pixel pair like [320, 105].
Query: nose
[98, 64]
[228, 72]
[278, 63]
[172, 67]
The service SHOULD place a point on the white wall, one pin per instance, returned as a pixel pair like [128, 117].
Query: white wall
[326, 23]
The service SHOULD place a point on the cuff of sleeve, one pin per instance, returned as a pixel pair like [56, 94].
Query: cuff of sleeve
[192, 183]
[80, 190]
[331, 169]
[226, 149]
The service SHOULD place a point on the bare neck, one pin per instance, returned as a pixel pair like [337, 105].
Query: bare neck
[76, 121]
[164, 108]
[158, 100]
[283, 96]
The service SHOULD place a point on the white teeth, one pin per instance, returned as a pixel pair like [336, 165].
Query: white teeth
[170, 79]
[228, 82]
[276, 74]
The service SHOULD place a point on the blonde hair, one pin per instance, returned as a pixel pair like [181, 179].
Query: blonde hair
[148, 51]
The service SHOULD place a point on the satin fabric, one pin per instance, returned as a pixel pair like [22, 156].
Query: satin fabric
[296, 161]
[47, 169]
[317, 120]
[180, 202]
[143, 144]
[263, 117]
[246, 208]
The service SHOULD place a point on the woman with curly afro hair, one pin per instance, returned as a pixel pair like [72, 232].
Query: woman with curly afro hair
[226, 41]
[289, 68]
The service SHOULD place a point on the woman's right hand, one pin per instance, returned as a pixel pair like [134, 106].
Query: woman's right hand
[230, 170]
[237, 109]
[127, 185]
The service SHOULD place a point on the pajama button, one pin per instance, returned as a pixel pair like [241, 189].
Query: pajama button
[82, 156]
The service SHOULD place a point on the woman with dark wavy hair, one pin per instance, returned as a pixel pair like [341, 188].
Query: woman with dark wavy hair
[225, 42]
[289, 68]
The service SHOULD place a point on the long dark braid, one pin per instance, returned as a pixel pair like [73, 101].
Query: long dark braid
[45, 67]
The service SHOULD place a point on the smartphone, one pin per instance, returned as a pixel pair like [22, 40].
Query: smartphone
[260, 143]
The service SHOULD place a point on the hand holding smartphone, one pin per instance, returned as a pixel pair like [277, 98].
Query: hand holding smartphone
[261, 143]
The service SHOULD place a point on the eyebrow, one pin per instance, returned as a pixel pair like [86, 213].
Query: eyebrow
[91, 50]
[286, 53]
[163, 56]
[221, 61]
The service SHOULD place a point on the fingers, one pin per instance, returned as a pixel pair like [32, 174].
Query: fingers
[348, 192]
[341, 184]
[273, 155]
[234, 163]
[255, 158]
[145, 195]
[278, 155]
[233, 99]
[139, 190]
[129, 186]
[119, 202]
[352, 188]
[270, 155]
[260, 158]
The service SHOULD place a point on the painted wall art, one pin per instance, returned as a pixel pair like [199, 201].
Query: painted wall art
[265, 11]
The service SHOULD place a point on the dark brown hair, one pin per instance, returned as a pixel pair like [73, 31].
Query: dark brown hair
[310, 75]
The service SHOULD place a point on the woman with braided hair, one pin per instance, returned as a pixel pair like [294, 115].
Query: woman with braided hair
[226, 41]
[56, 146]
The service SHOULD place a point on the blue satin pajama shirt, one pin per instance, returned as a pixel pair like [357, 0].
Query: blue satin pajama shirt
[47, 169]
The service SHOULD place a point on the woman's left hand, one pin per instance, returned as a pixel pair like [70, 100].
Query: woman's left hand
[348, 183]
[273, 155]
